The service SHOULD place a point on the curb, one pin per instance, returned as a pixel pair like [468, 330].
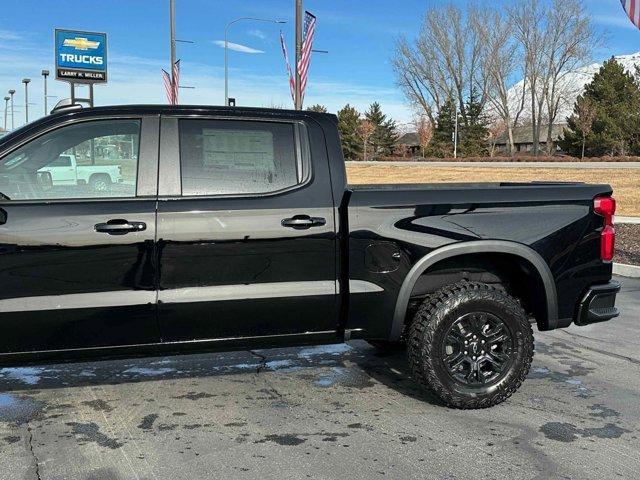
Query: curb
[627, 220]
[623, 270]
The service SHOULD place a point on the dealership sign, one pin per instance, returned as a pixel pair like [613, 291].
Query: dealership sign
[81, 57]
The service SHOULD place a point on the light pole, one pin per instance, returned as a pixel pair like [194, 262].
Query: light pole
[26, 99]
[455, 133]
[13, 122]
[172, 35]
[6, 107]
[226, 50]
[297, 97]
[45, 74]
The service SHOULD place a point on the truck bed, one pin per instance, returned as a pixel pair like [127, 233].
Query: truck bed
[555, 220]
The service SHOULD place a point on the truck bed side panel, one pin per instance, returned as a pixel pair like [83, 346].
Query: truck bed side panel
[409, 222]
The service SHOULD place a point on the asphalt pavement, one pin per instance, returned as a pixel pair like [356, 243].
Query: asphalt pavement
[335, 411]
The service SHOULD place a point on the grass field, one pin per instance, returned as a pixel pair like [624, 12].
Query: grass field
[625, 182]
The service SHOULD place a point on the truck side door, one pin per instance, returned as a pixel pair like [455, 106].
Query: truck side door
[246, 230]
[76, 263]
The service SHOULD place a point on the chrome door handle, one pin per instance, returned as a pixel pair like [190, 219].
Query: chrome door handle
[120, 227]
[303, 222]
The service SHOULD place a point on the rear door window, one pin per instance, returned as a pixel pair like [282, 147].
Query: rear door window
[230, 157]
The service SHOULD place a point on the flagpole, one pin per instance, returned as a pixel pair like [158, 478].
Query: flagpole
[298, 92]
[172, 30]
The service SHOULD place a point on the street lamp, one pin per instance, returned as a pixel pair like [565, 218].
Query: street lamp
[226, 50]
[6, 107]
[13, 123]
[45, 74]
[26, 99]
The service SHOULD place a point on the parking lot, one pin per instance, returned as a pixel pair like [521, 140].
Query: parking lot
[326, 412]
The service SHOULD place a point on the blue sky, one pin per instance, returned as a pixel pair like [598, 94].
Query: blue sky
[358, 34]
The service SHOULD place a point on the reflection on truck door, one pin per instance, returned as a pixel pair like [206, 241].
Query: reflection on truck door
[63, 170]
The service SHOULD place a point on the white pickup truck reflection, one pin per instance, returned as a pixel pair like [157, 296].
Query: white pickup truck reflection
[65, 171]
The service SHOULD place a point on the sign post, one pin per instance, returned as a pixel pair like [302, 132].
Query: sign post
[81, 58]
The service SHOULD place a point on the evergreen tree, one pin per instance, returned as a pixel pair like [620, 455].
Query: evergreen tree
[442, 142]
[473, 132]
[385, 131]
[348, 125]
[317, 108]
[615, 129]
[389, 137]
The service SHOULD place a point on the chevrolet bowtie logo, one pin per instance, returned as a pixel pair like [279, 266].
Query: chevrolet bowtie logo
[80, 43]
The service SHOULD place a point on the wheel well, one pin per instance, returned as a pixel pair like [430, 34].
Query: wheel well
[95, 176]
[513, 273]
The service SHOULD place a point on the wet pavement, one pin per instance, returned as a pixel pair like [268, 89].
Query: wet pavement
[333, 411]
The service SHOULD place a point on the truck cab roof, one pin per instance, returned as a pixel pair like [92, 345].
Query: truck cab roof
[72, 112]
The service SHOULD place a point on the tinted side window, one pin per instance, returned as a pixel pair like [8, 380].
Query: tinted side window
[93, 159]
[220, 157]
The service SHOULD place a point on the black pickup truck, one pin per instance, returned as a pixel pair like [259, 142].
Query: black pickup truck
[234, 228]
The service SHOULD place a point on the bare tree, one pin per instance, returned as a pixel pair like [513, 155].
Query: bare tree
[528, 22]
[446, 61]
[365, 130]
[503, 60]
[424, 129]
[573, 40]
[586, 115]
[556, 38]
[495, 131]
[401, 150]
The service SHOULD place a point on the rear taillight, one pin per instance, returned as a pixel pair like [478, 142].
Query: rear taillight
[606, 207]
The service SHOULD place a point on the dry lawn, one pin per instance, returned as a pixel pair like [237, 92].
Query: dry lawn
[625, 182]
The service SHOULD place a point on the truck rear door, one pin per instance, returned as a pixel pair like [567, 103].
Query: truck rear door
[76, 263]
[246, 229]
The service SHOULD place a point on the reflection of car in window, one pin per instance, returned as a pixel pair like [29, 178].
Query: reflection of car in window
[74, 161]
[65, 171]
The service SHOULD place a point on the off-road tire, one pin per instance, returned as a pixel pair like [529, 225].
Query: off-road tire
[426, 342]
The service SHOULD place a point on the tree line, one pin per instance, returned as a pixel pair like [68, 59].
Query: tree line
[605, 121]
[464, 60]
[364, 136]
[458, 75]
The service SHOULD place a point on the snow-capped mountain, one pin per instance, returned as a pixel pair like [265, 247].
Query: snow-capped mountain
[571, 86]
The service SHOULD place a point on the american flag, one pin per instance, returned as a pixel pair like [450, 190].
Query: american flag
[632, 7]
[176, 81]
[307, 45]
[171, 86]
[292, 80]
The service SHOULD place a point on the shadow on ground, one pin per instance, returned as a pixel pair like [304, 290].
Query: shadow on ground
[351, 365]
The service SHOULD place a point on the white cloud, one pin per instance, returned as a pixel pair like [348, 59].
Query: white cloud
[8, 35]
[236, 47]
[258, 34]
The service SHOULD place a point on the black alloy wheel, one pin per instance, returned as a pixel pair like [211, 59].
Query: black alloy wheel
[470, 344]
[478, 349]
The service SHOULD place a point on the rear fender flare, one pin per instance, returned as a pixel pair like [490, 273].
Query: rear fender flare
[481, 246]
